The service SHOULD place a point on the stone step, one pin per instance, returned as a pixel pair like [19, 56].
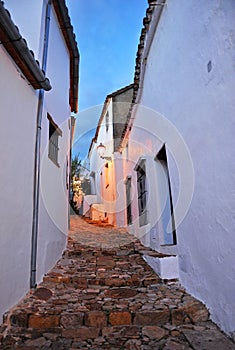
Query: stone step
[112, 281]
[191, 311]
[106, 299]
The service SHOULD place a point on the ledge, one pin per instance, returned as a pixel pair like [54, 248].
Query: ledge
[166, 266]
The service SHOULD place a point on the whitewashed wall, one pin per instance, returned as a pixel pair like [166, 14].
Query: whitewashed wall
[19, 104]
[144, 143]
[17, 139]
[105, 196]
[28, 15]
[190, 80]
[53, 219]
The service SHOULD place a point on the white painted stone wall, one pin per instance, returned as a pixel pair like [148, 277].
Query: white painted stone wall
[17, 142]
[28, 16]
[109, 181]
[17, 139]
[105, 195]
[190, 79]
[87, 202]
[53, 219]
[144, 143]
[165, 267]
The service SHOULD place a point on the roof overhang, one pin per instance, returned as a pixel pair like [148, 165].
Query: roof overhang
[69, 36]
[150, 25]
[73, 124]
[17, 48]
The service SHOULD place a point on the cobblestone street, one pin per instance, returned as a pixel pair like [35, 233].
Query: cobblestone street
[102, 295]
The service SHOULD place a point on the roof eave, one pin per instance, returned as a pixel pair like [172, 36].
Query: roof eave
[69, 36]
[120, 91]
[17, 48]
[104, 109]
[154, 10]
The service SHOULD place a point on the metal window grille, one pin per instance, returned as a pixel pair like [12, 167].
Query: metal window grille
[142, 194]
[128, 201]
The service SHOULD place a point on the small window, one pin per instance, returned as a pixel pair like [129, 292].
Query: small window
[142, 194]
[107, 121]
[128, 201]
[53, 147]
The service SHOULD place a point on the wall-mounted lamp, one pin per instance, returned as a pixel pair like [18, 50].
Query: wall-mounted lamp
[101, 149]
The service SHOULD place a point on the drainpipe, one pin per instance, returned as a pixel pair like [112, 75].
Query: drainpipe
[37, 159]
[72, 127]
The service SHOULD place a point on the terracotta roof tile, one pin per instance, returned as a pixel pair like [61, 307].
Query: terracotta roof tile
[70, 39]
[139, 55]
[17, 48]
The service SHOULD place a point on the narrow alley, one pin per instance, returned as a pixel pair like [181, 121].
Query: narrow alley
[102, 295]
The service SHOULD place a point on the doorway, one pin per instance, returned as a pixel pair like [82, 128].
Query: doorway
[166, 222]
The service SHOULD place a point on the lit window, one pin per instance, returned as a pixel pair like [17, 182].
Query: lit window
[54, 133]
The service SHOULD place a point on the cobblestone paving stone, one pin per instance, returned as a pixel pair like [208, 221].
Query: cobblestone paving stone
[102, 295]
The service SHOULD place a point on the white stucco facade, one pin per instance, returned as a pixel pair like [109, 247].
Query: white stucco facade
[107, 170]
[31, 26]
[16, 181]
[19, 108]
[104, 201]
[188, 78]
[54, 179]
[144, 143]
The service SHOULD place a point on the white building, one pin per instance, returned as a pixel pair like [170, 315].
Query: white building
[34, 139]
[102, 204]
[178, 173]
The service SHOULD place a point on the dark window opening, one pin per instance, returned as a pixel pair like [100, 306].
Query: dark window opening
[128, 201]
[142, 194]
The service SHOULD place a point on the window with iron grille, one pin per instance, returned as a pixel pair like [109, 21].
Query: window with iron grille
[53, 147]
[128, 201]
[142, 194]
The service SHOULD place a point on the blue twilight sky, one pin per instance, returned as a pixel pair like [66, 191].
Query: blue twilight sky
[107, 33]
